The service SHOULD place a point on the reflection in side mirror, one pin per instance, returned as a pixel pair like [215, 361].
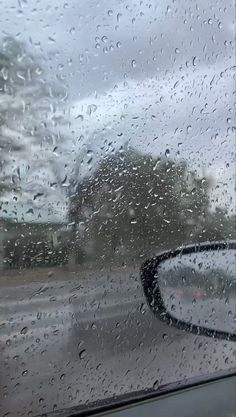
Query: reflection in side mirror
[195, 289]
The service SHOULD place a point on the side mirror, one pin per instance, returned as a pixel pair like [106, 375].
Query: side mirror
[194, 289]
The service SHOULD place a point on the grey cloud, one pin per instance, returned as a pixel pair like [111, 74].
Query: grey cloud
[92, 45]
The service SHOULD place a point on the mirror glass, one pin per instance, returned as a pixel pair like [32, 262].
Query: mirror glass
[199, 288]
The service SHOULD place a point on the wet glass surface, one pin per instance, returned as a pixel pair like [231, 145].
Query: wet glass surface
[116, 142]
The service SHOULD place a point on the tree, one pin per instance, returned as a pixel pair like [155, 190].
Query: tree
[219, 225]
[29, 115]
[137, 205]
[31, 118]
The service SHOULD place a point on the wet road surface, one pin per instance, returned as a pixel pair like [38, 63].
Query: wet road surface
[79, 337]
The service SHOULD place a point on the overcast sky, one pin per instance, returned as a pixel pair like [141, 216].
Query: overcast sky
[156, 74]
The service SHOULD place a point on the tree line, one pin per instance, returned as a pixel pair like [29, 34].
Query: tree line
[134, 205]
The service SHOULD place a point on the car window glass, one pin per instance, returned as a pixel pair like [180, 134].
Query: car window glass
[117, 135]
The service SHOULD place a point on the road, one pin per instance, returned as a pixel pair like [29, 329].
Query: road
[74, 338]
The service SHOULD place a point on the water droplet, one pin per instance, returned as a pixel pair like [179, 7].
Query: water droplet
[133, 63]
[39, 315]
[24, 373]
[52, 40]
[189, 128]
[91, 109]
[82, 354]
[156, 385]
[24, 330]
[80, 117]
[38, 195]
[4, 72]
[118, 17]
[142, 308]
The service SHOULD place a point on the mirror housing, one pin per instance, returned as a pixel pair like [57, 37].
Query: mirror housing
[152, 283]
